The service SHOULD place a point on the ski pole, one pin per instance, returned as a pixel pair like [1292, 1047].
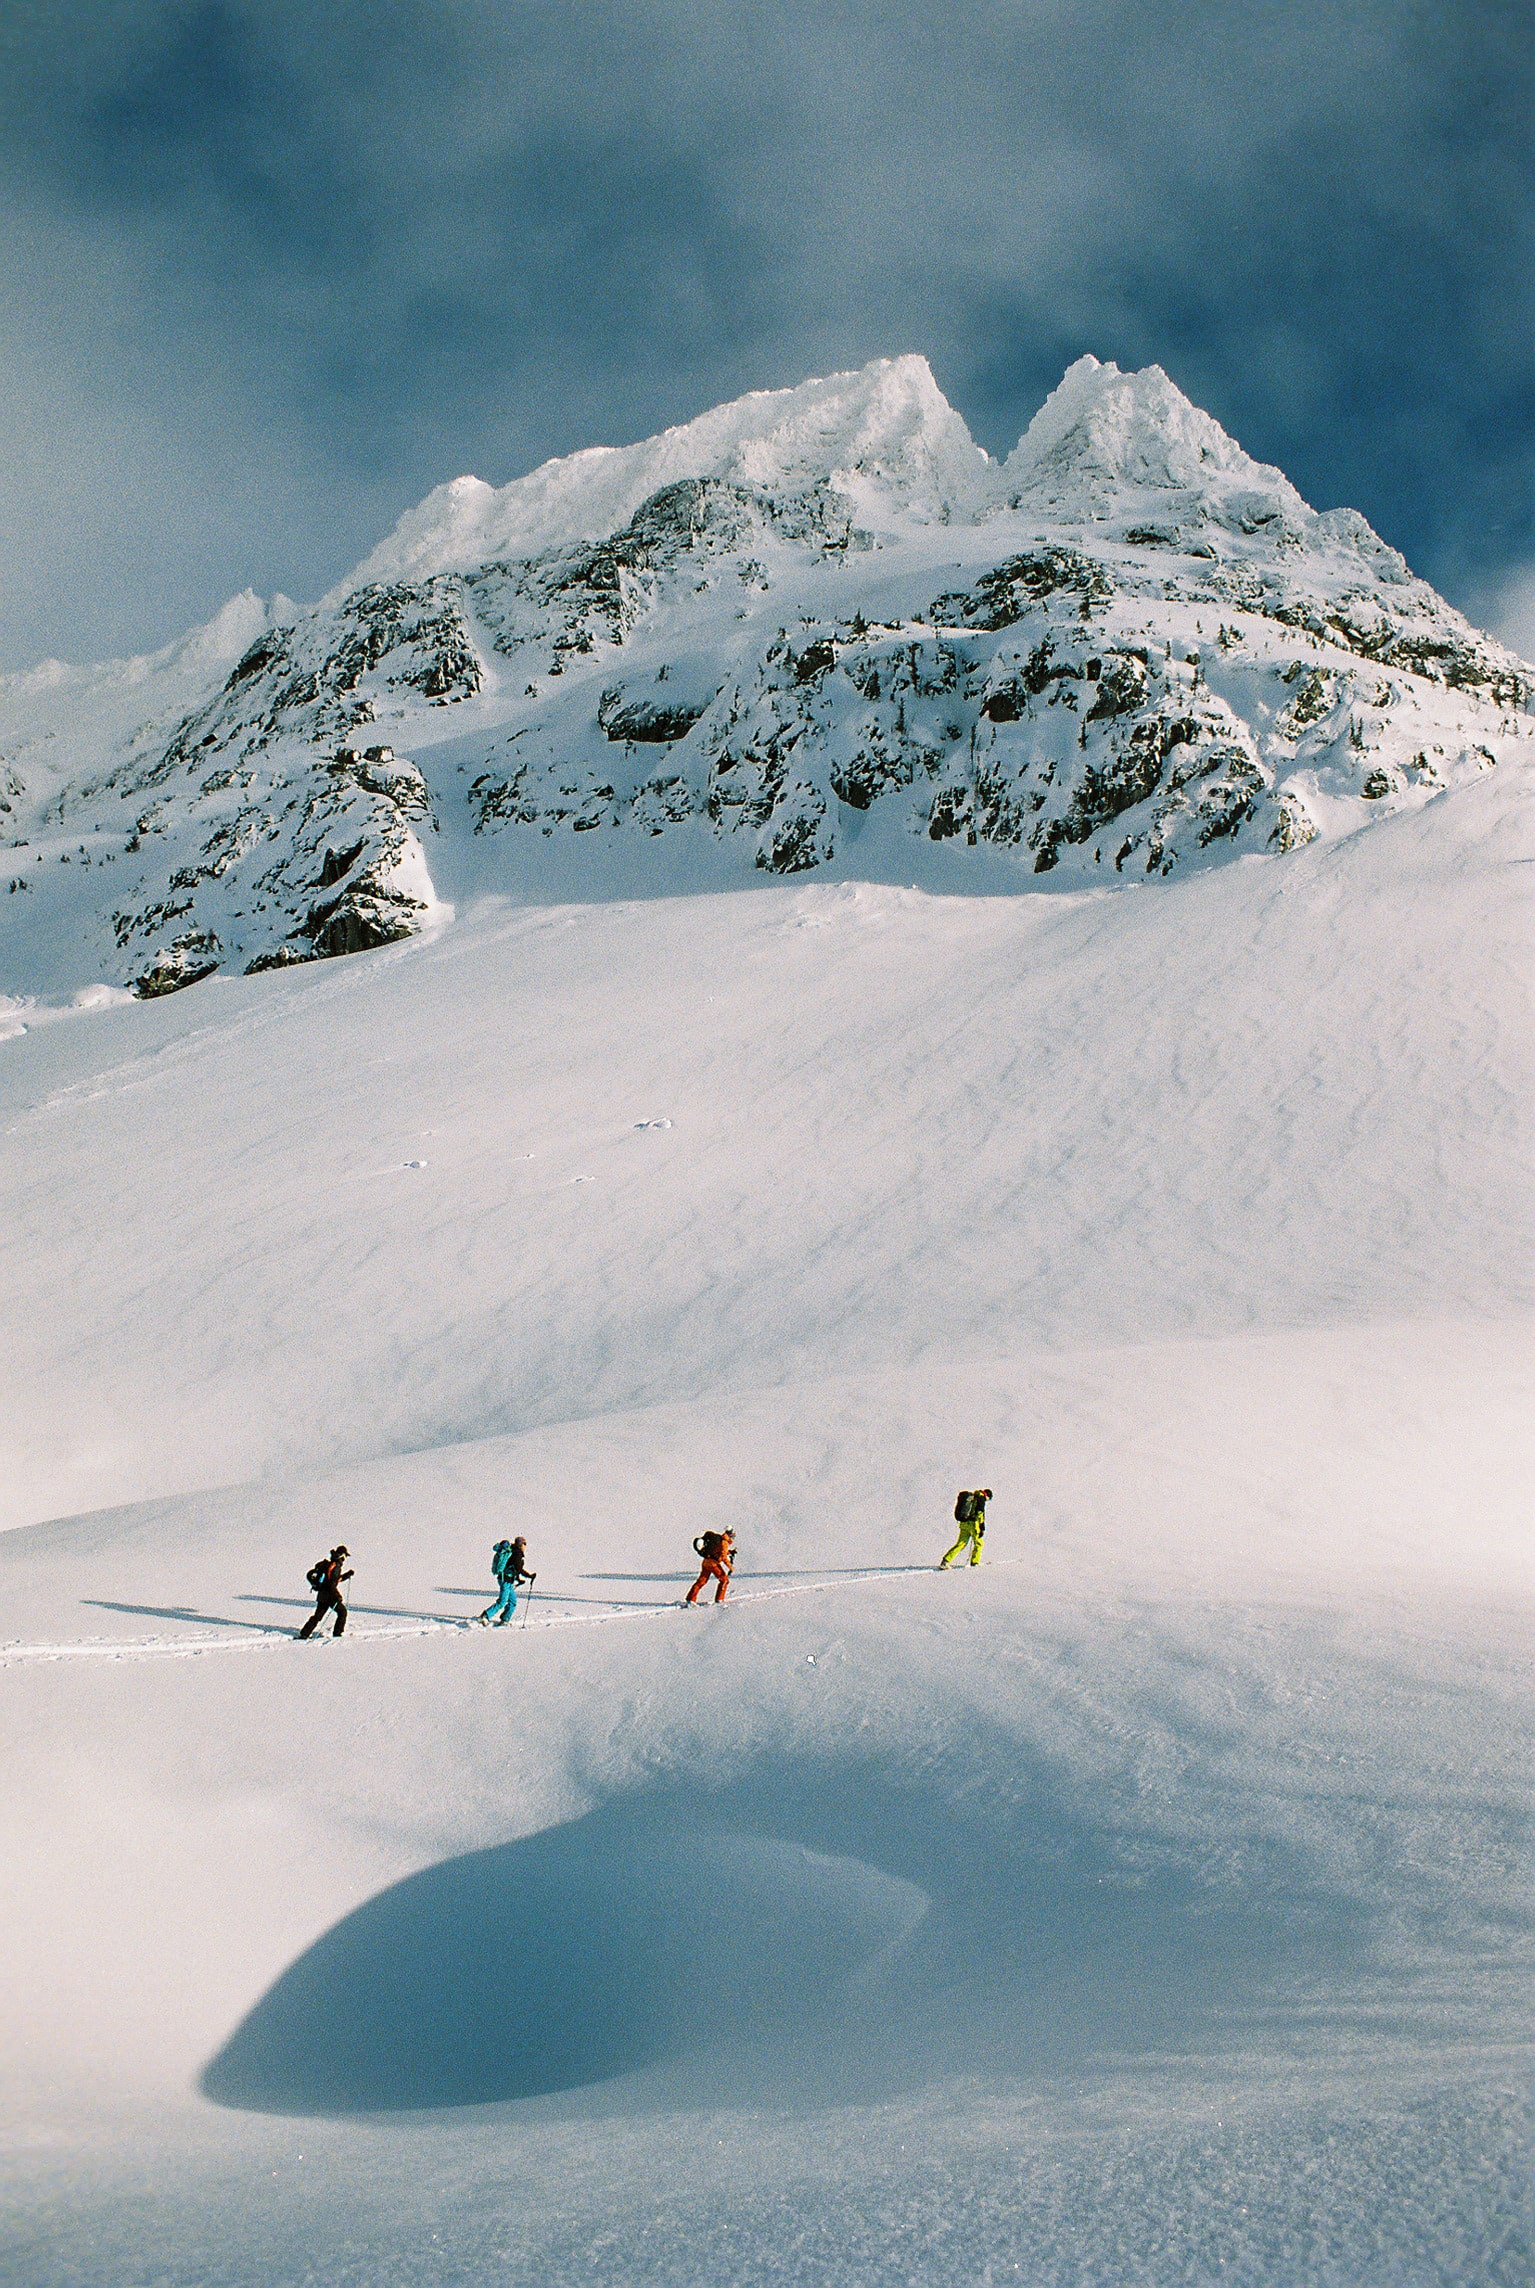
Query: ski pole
[528, 1599]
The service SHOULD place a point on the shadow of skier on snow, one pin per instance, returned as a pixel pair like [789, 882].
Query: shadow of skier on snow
[376, 1612]
[186, 1613]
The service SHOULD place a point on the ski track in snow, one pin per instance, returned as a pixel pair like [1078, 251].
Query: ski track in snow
[159, 1648]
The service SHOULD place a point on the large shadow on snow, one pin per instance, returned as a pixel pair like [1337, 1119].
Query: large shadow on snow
[798, 1938]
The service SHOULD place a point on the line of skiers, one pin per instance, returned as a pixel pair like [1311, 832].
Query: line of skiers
[716, 1553]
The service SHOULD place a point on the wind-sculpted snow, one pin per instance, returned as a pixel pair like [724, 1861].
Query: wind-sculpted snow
[839, 1902]
[885, 437]
[817, 628]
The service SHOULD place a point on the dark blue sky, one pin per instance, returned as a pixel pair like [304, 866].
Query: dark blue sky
[274, 270]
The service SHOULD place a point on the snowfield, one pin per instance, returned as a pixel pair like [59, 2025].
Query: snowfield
[1149, 1905]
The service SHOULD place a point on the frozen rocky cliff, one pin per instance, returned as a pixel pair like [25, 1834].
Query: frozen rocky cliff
[818, 627]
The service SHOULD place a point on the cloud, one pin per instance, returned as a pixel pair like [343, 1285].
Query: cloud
[299, 263]
[1508, 609]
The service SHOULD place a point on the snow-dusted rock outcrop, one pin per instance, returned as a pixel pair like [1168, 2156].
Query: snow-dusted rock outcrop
[816, 623]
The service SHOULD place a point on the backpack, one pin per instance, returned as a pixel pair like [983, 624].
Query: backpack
[317, 1572]
[710, 1545]
[966, 1509]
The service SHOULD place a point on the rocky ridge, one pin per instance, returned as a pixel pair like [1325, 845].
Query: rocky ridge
[816, 628]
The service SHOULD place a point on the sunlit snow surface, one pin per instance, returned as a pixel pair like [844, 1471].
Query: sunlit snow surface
[1150, 1905]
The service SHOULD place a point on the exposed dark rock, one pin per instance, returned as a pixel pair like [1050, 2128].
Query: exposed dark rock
[1003, 595]
[265, 653]
[647, 722]
[280, 957]
[354, 924]
[797, 846]
[1121, 688]
[339, 863]
[950, 815]
[1116, 784]
[192, 957]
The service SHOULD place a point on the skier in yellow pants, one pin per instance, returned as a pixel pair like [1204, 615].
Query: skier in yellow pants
[970, 1511]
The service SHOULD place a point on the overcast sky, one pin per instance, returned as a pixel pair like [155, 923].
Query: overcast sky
[271, 271]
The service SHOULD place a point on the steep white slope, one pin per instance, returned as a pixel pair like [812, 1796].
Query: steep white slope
[899, 1124]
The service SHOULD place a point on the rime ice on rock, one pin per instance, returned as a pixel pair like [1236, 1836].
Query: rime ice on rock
[807, 619]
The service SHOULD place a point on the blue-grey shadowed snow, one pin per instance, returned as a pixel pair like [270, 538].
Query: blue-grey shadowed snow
[276, 271]
[800, 1938]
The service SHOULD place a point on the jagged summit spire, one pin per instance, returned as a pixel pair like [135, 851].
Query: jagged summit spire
[885, 435]
[1100, 429]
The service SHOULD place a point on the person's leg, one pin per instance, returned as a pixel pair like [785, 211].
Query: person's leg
[340, 1628]
[506, 1604]
[692, 1595]
[950, 1555]
[723, 1579]
[495, 1611]
[322, 1607]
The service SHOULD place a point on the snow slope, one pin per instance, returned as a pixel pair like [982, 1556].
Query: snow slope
[1150, 1905]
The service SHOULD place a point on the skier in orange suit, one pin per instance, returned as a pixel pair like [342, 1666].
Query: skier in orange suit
[717, 1552]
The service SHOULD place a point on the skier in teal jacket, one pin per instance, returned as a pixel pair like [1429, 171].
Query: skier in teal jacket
[508, 1566]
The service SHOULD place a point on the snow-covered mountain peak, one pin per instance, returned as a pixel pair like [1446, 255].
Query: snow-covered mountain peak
[203, 650]
[1102, 433]
[814, 627]
[886, 436]
[219, 642]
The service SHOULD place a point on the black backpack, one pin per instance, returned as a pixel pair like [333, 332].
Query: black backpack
[966, 1509]
[710, 1545]
[317, 1572]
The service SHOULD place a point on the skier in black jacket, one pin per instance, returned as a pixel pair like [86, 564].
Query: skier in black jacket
[325, 1578]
